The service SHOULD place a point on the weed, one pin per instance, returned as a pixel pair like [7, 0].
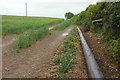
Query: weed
[28, 38]
[67, 56]
[115, 52]
[5, 53]
[17, 50]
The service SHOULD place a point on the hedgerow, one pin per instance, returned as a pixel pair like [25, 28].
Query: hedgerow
[109, 28]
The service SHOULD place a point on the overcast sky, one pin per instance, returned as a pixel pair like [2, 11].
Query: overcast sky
[44, 8]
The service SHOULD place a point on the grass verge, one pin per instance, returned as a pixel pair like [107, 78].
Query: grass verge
[28, 38]
[67, 54]
[63, 25]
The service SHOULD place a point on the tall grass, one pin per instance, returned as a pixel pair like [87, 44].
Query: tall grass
[63, 25]
[28, 38]
[19, 24]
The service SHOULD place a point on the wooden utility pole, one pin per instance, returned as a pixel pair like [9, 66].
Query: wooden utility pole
[26, 8]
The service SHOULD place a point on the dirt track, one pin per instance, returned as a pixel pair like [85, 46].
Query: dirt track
[0, 56]
[36, 61]
[33, 61]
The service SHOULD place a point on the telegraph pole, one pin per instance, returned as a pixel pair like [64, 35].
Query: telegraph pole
[26, 8]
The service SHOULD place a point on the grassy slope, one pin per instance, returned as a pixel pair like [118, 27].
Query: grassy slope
[19, 24]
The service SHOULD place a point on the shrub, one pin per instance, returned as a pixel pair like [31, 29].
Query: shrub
[69, 15]
[115, 51]
[108, 12]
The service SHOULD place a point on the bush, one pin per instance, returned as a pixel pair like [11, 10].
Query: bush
[108, 12]
[69, 15]
[115, 51]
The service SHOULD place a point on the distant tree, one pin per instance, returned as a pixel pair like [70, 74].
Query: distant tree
[69, 15]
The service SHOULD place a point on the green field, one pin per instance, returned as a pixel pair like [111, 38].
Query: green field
[30, 29]
[19, 24]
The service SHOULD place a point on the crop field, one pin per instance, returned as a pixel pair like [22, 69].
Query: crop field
[30, 29]
[19, 24]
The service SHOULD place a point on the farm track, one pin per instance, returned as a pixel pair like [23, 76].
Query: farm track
[36, 61]
[0, 56]
[8, 40]
[33, 61]
[0, 43]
